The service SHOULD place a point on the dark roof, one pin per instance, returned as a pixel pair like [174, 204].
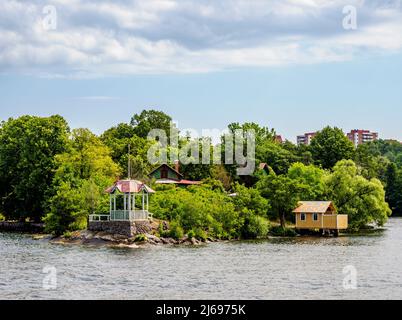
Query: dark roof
[182, 182]
[169, 167]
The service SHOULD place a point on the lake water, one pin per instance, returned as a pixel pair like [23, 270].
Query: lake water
[301, 268]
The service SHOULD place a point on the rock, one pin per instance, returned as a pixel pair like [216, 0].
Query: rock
[153, 238]
[184, 239]
[104, 236]
[42, 236]
[122, 245]
[87, 235]
[119, 237]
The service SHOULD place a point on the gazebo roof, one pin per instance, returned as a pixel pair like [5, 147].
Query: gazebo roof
[129, 186]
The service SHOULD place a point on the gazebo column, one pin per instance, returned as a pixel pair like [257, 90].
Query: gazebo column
[124, 202]
[129, 201]
[143, 201]
[110, 204]
[134, 201]
[114, 200]
[147, 202]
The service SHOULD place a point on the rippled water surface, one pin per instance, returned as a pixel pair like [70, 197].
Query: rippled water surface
[301, 268]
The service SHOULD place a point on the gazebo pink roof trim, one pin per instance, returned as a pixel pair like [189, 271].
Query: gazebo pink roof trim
[129, 186]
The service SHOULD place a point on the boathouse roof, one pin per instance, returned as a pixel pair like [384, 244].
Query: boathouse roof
[314, 207]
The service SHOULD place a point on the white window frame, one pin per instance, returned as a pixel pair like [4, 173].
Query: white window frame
[315, 215]
[302, 217]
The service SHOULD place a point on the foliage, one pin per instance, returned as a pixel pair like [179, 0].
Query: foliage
[176, 231]
[254, 226]
[361, 199]
[147, 120]
[28, 146]
[140, 238]
[283, 194]
[78, 186]
[330, 146]
[279, 231]
[311, 177]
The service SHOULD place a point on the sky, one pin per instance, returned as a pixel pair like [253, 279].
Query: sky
[292, 65]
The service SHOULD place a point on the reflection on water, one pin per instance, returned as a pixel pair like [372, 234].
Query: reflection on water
[297, 268]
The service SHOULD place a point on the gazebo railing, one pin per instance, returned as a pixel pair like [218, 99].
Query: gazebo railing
[99, 217]
[122, 215]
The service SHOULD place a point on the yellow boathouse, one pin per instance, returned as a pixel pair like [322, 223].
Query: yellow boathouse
[319, 215]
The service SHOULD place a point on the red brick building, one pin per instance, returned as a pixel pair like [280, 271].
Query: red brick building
[359, 137]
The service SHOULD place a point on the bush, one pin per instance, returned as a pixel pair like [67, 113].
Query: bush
[279, 231]
[255, 227]
[140, 238]
[205, 211]
[176, 231]
[191, 234]
[200, 234]
[67, 235]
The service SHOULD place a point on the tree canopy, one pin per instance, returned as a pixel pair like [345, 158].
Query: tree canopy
[329, 146]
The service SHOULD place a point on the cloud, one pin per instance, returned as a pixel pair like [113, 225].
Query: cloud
[189, 36]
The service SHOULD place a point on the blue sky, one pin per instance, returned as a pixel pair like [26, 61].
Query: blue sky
[284, 64]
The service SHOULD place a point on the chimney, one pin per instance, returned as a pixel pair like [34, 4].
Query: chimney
[177, 166]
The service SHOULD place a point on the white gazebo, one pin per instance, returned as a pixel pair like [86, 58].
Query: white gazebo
[131, 208]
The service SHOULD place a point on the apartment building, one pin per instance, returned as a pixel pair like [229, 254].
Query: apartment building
[359, 137]
[305, 138]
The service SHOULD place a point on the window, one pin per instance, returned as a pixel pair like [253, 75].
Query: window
[315, 217]
[303, 217]
[164, 173]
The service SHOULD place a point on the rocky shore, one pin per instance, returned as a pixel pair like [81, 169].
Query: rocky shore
[99, 238]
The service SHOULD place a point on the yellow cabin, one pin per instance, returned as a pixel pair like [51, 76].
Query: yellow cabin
[320, 215]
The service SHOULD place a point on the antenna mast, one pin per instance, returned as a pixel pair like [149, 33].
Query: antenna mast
[129, 163]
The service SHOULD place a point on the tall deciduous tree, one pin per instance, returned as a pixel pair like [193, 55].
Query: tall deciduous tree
[330, 146]
[282, 193]
[27, 148]
[361, 199]
[83, 173]
[147, 120]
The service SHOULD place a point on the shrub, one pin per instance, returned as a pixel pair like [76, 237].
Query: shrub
[200, 234]
[279, 231]
[67, 235]
[176, 231]
[140, 238]
[255, 227]
[191, 234]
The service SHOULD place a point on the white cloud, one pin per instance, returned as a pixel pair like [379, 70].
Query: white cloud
[187, 36]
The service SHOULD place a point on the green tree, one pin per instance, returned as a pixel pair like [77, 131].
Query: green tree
[147, 120]
[83, 173]
[283, 194]
[361, 199]
[312, 178]
[330, 146]
[28, 146]
[118, 139]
